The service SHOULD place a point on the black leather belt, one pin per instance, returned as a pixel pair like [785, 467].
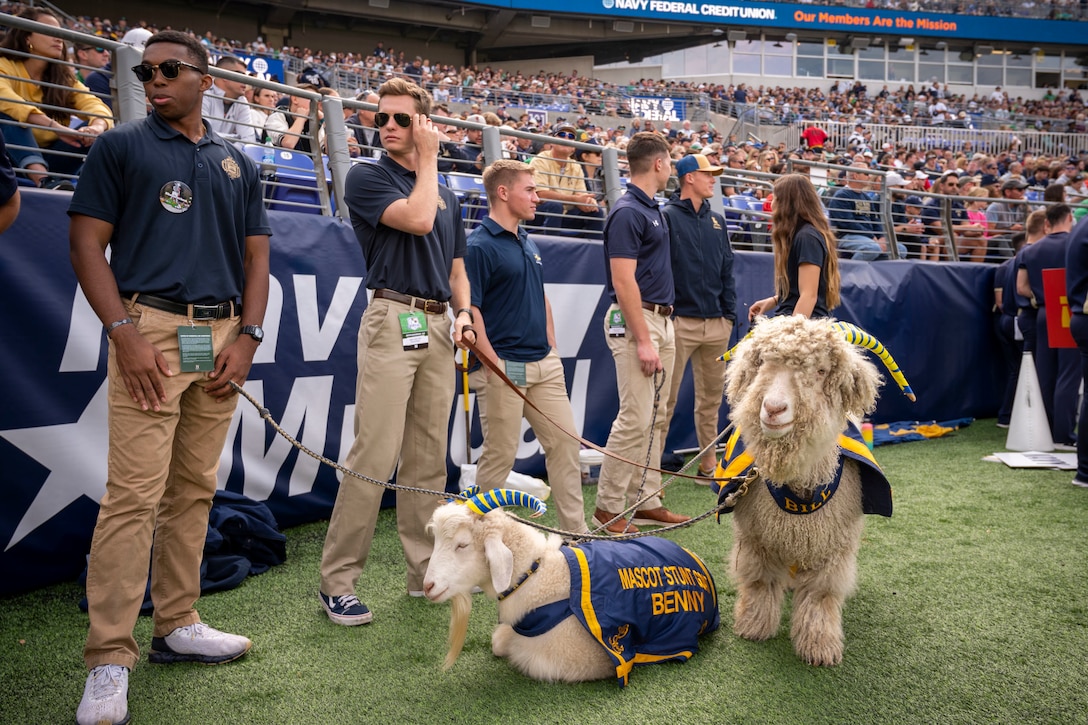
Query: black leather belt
[430, 306]
[663, 310]
[221, 311]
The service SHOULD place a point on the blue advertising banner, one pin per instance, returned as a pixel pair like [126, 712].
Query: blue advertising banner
[265, 68]
[53, 436]
[821, 18]
[658, 108]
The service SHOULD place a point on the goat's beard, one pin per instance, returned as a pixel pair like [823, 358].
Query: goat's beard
[805, 457]
[460, 609]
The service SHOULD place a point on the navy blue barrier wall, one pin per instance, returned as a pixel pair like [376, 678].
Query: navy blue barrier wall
[53, 436]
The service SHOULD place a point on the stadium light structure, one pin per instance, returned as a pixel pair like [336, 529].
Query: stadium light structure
[791, 37]
[904, 42]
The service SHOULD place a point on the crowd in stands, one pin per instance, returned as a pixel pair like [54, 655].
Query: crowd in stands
[265, 117]
[1057, 110]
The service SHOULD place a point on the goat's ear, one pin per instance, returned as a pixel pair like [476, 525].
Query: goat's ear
[500, 560]
[859, 388]
[741, 372]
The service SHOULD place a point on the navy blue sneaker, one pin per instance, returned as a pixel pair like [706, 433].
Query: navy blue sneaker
[345, 609]
[197, 643]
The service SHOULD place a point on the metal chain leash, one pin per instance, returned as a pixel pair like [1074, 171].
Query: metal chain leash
[266, 415]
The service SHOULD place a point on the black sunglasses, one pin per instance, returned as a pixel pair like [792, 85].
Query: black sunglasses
[170, 70]
[565, 134]
[403, 120]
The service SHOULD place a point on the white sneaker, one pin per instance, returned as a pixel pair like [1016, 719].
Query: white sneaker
[197, 643]
[1065, 447]
[105, 697]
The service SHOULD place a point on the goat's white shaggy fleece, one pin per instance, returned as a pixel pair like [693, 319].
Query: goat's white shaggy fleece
[791, 387]
[594, 610]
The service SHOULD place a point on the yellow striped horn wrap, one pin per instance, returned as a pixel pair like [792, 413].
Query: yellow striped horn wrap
[484, 501]
[856, 336]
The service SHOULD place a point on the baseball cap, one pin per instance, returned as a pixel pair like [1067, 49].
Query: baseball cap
[965, 179]
[564, 127]
[1014, 184]
[696, 162]
[476, 118]
[894, 179]
[137, 37]
[987, 180]
[913, 200]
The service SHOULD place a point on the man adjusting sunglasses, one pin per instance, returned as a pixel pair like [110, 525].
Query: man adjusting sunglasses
[403, 120]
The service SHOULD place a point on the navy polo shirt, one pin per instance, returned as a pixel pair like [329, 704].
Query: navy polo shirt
[853, 212]
[396, 260]
[1047, 253]
[808, 247]
[507, 280]
[636, 229]
[1076, 269]
[180, 210]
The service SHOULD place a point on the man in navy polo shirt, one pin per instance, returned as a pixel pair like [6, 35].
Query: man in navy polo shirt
[1076, 287]
[413, 240]
[640, 336]
[514, 330]
[1058, 369]
[182, 298]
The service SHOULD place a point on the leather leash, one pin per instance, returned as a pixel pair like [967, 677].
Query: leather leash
[587, 443]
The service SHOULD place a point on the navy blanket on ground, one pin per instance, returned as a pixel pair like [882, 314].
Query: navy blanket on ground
[646, 600]
[915, 430]
[243, 540]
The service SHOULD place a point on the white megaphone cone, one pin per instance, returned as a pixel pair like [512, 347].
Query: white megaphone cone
[1029, 429]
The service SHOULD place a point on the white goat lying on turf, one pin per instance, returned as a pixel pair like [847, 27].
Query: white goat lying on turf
[791, 386]
[567, 613]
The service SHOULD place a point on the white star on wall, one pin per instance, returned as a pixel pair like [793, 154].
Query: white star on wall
[74, 453]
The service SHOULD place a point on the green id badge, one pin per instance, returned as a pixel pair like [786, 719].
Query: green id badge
[413, 330]
[516, 372]
[195, 346]
[616, 325]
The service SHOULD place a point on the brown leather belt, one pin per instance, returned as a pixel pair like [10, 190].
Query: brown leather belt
[663, 310]
[221, 311]
[430, 306]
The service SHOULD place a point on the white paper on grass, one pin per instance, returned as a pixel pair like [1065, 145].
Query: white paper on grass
[1035, 459]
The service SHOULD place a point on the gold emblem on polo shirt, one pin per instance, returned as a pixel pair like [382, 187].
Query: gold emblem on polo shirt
[441, 204]
[231, 167]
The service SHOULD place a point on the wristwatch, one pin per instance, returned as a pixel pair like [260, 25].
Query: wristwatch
[254, 331]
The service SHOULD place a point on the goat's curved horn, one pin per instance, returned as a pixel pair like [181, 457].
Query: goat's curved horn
[485, 501]
[857, 336]
[728, 354]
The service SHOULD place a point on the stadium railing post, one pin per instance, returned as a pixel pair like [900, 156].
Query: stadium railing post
[336, 142]
[610, 162]
[131, 102]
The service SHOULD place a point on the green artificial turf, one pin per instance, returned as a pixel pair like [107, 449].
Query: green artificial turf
[972, 607]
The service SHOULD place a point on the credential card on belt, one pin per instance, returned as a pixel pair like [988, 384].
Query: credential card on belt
[413, 330]
[617, 327]
[195, 346]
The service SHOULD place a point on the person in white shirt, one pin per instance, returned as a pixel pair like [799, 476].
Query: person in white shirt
[224, 106]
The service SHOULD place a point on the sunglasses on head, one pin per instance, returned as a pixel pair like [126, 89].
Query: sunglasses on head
[170, 70]
[403, 120]
[565, 134]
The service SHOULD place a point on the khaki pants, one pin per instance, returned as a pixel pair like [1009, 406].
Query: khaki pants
[501, 412]
[402, 412]
[630, 435]
[702, 341]
[162, 477]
